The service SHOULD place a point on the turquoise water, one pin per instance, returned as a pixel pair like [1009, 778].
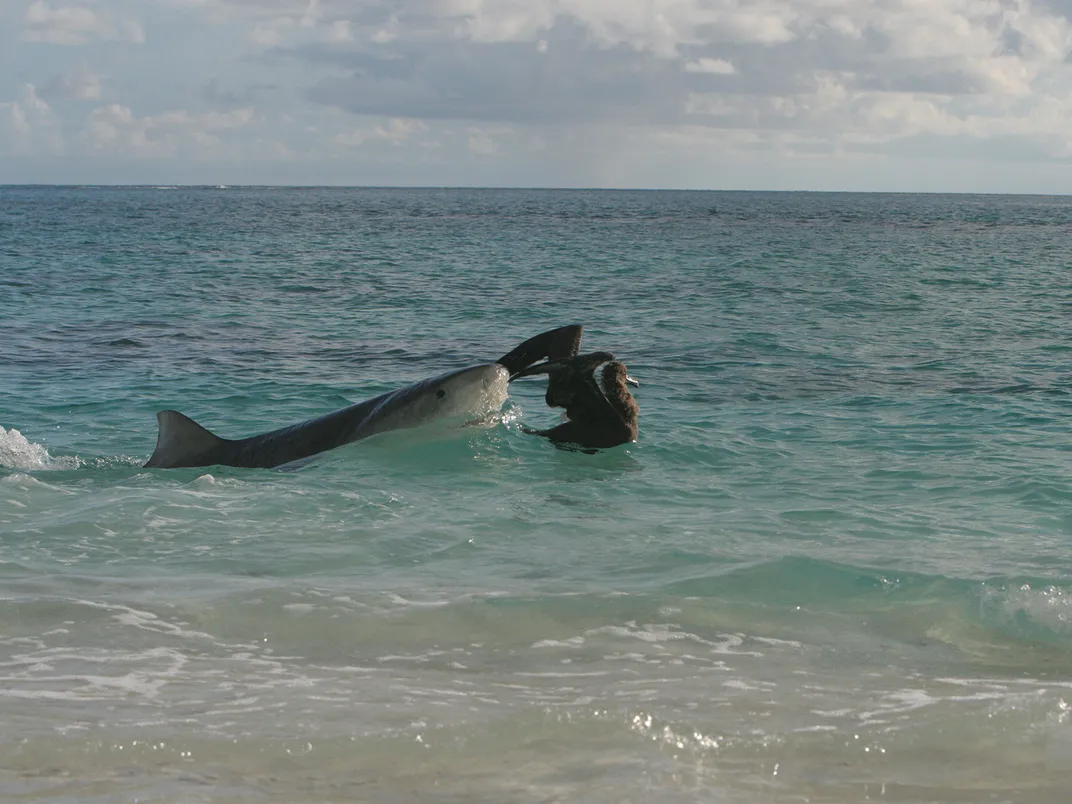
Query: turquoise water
[836, 565]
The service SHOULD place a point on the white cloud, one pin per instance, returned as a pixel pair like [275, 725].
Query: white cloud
[77, 25]
[81, 84]
[28, 125]
[115, 128]
[266, 35]
[341, 31]
[311, 16]
[482, 143]
[836, 69]
[713, 66]
[306, 23]
[395, 131]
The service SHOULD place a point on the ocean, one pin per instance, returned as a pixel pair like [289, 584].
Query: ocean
[835, 566]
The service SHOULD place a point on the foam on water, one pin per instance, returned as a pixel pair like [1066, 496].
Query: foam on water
[17, 452]
[398, 692]
[1041, 613]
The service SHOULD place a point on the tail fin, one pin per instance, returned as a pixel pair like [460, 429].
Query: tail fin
[182, 442]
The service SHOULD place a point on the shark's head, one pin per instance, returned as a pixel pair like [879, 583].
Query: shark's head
[468, 393]
[475, 390]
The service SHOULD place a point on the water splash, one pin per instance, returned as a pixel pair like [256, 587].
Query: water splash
[18, 452]
[1040, 612]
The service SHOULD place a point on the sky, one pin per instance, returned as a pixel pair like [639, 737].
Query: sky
[873, 95]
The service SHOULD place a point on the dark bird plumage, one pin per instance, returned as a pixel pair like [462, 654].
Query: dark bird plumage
[602, 413]
[554, 344]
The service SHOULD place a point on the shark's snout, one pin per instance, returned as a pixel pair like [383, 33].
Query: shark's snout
[495, 377]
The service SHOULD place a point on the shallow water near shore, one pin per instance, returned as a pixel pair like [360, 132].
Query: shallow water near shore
[836, 566]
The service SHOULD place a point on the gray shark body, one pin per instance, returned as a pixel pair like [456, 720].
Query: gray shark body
[477, 390]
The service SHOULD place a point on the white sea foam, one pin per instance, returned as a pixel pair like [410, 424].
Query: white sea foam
[18, 452]
[1048, 608]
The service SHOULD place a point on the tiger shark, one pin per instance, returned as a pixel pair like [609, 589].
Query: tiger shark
[476, 390]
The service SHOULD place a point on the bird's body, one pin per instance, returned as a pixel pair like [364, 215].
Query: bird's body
[601, 413]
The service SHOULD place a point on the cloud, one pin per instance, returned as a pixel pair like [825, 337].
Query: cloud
[266, 36]
[216, 95]
[571, 79]
[604, 88]
[28, 125]
[76, 25]
[482, 143]
[340, 31]
[114, 128]
[709, 65]
[395, 131]
[847, 71]
[81, 84]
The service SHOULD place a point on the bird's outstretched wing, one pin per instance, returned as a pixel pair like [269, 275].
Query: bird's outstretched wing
[554, 344]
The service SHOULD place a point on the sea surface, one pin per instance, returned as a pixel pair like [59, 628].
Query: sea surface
[836, 565]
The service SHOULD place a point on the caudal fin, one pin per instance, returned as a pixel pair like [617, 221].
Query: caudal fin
[182, 442]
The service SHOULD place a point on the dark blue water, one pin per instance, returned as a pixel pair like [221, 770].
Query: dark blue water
[835, 564]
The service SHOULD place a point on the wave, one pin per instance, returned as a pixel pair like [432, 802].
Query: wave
[18, 452]
[1035, 610]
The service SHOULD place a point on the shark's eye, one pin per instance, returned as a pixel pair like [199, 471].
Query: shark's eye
[440, 393]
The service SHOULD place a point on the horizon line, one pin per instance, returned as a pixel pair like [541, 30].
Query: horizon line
[225, 186]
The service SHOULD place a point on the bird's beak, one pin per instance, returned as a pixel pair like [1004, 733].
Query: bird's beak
[631, 381]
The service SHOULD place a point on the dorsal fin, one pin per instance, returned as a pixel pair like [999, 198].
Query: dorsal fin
[181, 442]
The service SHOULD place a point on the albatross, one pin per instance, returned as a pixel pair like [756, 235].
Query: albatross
[602, 413]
